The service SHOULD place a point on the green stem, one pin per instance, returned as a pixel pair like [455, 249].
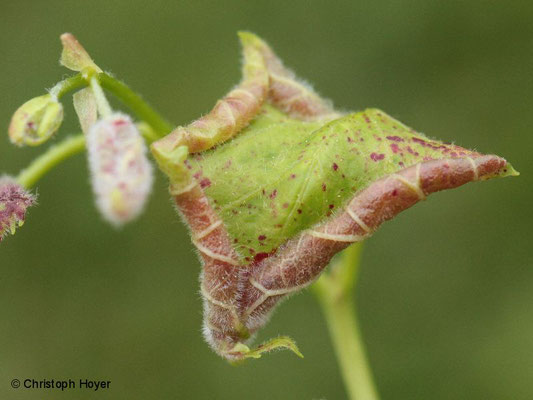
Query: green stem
[72, 83]
[127, 96]
[101, 102]
[136, 103]
[29, 176]
[334, 291]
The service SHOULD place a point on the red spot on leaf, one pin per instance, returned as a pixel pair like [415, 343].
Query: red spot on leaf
[274, 194]
[205, 183]
[420, 141]
[335, 167]
[324, 187]
[410, 150]
[377, 157]
[261, 256]
[261, 237]
[395, 138]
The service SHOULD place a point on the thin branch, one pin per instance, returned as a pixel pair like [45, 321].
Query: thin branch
[334, 292]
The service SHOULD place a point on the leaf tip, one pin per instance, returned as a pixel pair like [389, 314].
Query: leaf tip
[74, 56]
[242, 352]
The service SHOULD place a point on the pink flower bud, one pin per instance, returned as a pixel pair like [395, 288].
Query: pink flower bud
[121, 172]
[14, 201]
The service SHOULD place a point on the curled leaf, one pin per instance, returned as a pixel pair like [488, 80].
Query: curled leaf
[291, 95]
[281, 176]
[172, 163]
[14, 203]
[296, 184]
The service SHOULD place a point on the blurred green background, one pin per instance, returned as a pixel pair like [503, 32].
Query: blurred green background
[446, 290]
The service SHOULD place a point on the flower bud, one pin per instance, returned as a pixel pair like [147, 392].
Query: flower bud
[14, 201]
[36, 121]
[121, 172]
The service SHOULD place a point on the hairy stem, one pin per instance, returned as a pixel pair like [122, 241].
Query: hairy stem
[334, 291]
[127, 96]
[67, 85]
[101, 102]
[29, 176]
[136, 103]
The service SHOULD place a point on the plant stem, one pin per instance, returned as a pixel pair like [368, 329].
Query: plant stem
[127, 96]
[101, 102]
[46, 161]
[136, 103]
[334, 291]
[77, 81]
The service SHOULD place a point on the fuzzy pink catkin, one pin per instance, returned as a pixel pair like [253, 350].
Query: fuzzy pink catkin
[120, 171]
[14, 202]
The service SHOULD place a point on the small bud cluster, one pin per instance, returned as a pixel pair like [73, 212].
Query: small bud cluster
[121, 172]
[14, 202]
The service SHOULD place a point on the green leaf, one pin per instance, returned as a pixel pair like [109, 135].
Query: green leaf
[74, 56]
[279, 343]
[280, 176]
